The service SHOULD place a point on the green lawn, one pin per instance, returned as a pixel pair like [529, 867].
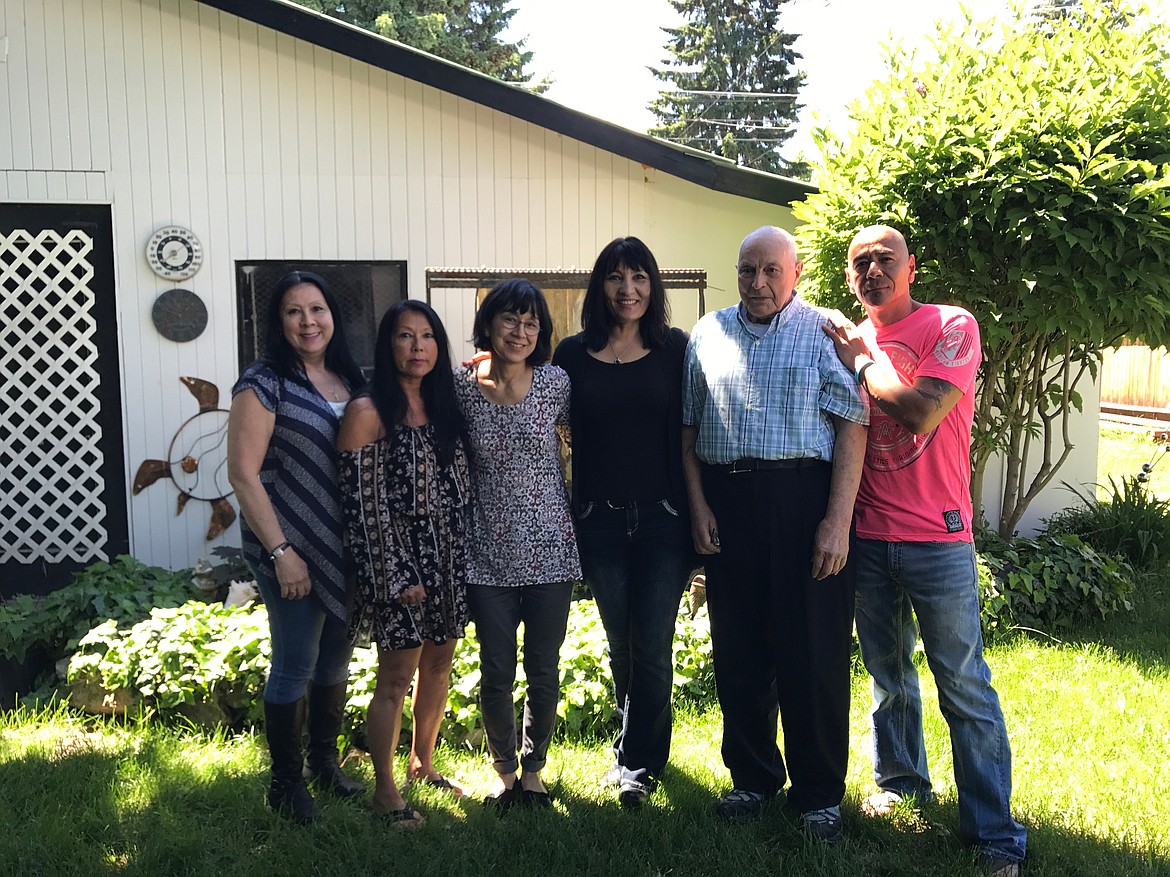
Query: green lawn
[1121, 451]
[1087, 718]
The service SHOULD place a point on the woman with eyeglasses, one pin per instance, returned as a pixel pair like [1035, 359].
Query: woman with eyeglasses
[633, 530]
[523, 553]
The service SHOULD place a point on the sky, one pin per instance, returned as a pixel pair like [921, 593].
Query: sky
[597, 51]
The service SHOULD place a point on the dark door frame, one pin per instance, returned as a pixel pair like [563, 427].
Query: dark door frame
[41, 576]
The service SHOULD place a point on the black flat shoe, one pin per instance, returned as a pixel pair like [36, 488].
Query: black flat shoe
[504, 800]
[539, 800]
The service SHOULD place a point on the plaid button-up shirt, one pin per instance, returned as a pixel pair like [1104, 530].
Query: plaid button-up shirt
[766, 396]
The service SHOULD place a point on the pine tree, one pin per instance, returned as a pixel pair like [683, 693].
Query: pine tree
[1051, 10]
[464, 31]
[726, 51]
[1045, 13]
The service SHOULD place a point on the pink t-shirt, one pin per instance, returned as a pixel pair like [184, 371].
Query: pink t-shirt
[917, 488]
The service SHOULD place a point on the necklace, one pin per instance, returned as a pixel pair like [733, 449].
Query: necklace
[334, 392]
[617, 357]
[329, 385]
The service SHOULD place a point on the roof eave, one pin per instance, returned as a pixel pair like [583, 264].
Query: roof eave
[710, 171]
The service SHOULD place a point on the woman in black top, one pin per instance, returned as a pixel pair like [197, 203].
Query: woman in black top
[628, 495]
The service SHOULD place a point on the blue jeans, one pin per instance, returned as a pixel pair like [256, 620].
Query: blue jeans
[635, 560]
[306, 645]
[938, 583]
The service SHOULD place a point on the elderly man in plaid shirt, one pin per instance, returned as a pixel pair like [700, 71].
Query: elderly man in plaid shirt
[774, 432]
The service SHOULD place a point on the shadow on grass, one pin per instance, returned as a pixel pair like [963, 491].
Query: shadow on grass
[931, 845]
[169, 805]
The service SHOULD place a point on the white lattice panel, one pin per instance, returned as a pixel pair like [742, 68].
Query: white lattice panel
[51, 488]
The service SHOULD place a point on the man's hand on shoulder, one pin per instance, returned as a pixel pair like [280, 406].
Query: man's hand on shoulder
[851, 347]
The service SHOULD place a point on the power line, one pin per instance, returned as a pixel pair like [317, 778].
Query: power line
[770, 95]
[750, 124]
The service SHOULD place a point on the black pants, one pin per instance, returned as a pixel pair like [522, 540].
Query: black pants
[781, 640]
[497, 612]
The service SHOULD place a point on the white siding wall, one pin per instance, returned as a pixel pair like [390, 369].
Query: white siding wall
[1080, 469]
[270, 148]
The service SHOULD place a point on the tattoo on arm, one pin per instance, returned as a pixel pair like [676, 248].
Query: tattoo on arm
[937, 390]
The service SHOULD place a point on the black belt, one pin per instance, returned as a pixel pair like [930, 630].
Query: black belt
[752, 464]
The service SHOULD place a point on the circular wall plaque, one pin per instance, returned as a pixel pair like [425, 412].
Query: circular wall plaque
[174, 253]
[179, 314]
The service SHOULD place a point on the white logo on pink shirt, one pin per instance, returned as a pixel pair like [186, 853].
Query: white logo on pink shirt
[954, 349]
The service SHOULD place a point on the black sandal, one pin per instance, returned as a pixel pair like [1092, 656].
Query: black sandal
[406, 818]
[440, 782]
[504, 800]
[539, 800]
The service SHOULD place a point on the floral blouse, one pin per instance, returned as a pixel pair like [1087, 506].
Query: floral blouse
[521, 527]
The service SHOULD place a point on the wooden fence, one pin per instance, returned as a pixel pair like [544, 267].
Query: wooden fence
[1133, 374]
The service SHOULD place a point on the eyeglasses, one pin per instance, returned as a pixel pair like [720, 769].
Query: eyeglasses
[511, 323]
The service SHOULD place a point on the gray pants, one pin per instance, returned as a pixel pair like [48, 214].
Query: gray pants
[497, 612]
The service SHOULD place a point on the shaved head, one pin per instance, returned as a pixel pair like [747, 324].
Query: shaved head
[879, 271]
[870, 233]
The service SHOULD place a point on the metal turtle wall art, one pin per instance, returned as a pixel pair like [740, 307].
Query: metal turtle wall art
[197, 459]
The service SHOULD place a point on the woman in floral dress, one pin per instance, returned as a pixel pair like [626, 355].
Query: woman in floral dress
[405, 487]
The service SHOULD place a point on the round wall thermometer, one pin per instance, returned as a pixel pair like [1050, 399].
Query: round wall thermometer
[174, 253]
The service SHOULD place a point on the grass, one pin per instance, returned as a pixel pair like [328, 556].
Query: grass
[1087, 719]
[1121, 451]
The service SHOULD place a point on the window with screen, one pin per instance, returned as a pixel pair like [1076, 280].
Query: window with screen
[364, 291]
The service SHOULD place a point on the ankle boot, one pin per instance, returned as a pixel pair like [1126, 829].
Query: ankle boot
[287, 793]
[326, 709]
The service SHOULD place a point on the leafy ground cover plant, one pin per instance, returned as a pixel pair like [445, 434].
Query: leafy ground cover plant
[122, 590]
[1050, 582]
[207, 663]
[203, 661]
[586, 707]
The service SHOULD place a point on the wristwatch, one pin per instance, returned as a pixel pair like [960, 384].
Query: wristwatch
[279, 550]
[862, 365]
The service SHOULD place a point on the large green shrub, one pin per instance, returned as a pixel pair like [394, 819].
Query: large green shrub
[1049, 582]
[1132, 522]
[1029, 168]
[124, 590]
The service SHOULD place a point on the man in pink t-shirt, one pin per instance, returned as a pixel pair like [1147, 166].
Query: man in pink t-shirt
[914, 554]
